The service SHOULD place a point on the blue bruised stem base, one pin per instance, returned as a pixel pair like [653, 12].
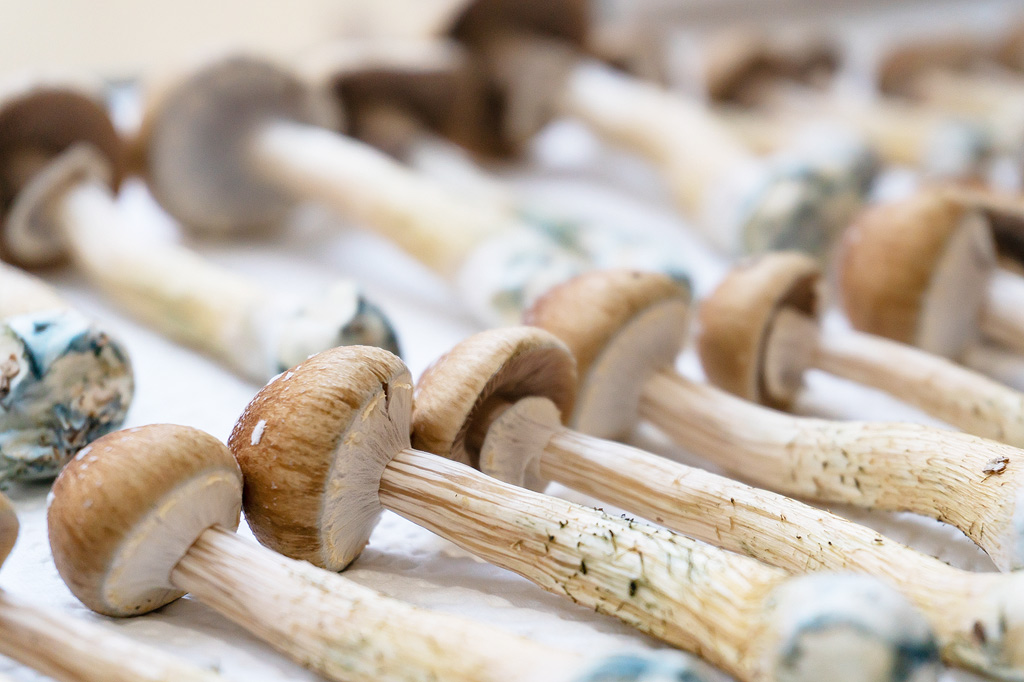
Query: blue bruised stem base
[63, 383]
[667, 667]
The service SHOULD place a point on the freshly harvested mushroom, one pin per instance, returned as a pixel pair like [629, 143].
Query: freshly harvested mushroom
[760, 334]
[626, 329]
[60, 161]
[64, 381]
[149, 514]
[325, 448]
[74, 650]
[923, 271]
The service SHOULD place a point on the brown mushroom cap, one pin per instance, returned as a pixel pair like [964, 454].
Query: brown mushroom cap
[8, 528]
[313, 445]
[127, 508]
[52, 132]
[489, 368]
[916, 270]
[622, 326]
[736, 322]
[197, 134]
[562, 19]
[1011, 49]
[900, 67]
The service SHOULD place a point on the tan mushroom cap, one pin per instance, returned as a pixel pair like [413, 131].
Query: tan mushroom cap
[313, 445]
[8, 528]
[1011, 49]
[499, 365]
[899, 68]
[127, 508]
[45, 126]
[197, 133]
[736, 321]
[915, 271]
[622, 326]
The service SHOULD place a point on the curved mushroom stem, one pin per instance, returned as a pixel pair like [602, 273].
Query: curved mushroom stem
[953, 477]
[348, 632]
[1002, 317]
[74, 650]
[943, 389]
[251, 329]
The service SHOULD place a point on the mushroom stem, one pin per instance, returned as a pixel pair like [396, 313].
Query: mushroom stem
[1002, 317]
[349, 632]
[958, 396]
[22, 293]
[668, 586]
[74, 650]
[950, 476]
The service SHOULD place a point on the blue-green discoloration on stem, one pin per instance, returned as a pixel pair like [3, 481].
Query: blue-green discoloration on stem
[63, 383]
[649, 668]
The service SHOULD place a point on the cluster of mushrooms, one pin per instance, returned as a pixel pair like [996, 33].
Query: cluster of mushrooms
[745, 572]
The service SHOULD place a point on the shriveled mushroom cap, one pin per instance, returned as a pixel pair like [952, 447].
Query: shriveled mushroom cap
[916, 271]
[499, 365]
[127, 508]
[737, 319]
[52, 133]
[8, 528]
[313, 445]
[197, 135]
[622, 326]
[900, 67]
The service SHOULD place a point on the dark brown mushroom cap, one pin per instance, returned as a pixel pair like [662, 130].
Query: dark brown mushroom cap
[197, 136]
[489, 368]
[127, 508]
[736, 321]
[313, 445]
[41, 123]
[900, 67]
[915, 271]
[562, 19]
[8, 528]
[622, 326]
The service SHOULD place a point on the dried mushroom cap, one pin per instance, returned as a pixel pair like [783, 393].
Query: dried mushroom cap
[489, 368]
[562, 19]
[127, 508]
[51, 133]
[736, 321]
[899, 68]
[198, 132]
[622, 326]
[313, 445]
[8, 528]
[1011, 50]
[915, 271]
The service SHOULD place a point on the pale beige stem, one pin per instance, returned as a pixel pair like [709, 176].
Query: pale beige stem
[364, 184]
[974, 94]
[953, 477]
[22, 293]
[943, 389]
[74, 650]
[1002, 317]
[671, 587]
[348, 632]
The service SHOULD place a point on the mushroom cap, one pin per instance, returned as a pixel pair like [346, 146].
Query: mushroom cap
[127, 508]
[8, 528]
[487, 369]
[916, 270]
[1011, 50]
[622, 326]
[736, 321]
[562, 19]
[45, 125]
[900, 67]
[197, 135]
[313, 445]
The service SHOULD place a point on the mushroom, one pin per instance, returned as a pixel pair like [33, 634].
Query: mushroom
[923, 271]
[326, 448]
[64, 381]
[760, 333]
[149, 514]
[73, 650]
[485, 403]
[60, 161]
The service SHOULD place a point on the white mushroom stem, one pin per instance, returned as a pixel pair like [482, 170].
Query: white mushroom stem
[424, 218]
[1002, 317]
[954, 477]
[22, 293]
[348, 632]
[943, 389]
[678, 590]
[74, 650]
